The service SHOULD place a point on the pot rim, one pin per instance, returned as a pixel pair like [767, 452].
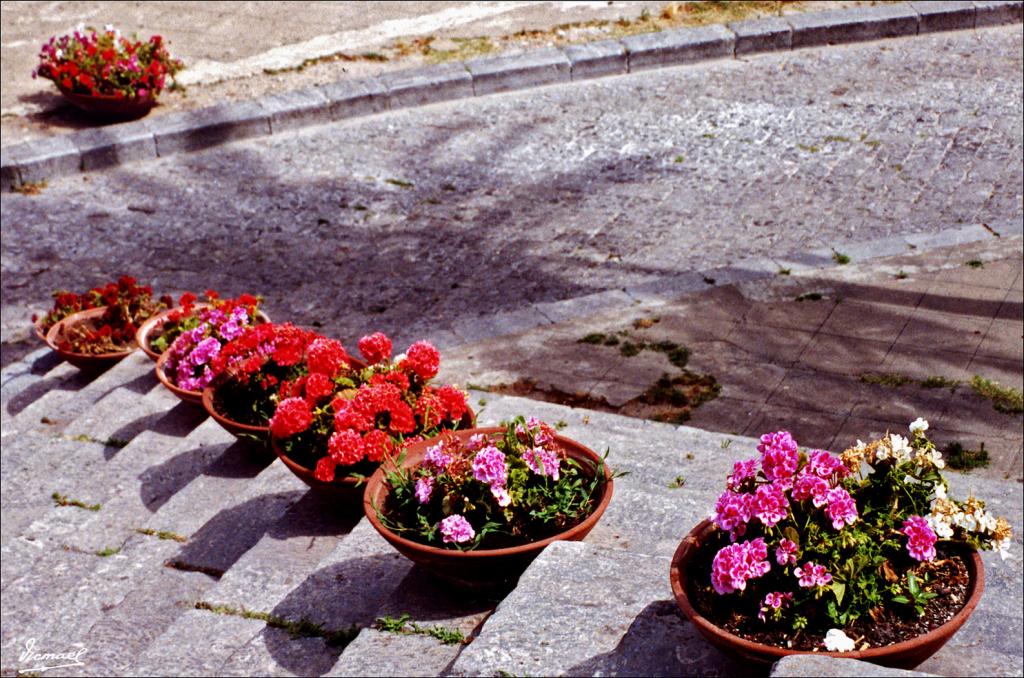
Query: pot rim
[177, 390]
[691, 543]
[74, 318]
[375, 485]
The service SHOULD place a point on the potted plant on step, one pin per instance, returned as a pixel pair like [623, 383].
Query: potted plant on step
[156, 334]
[103, 331]
[475, 507]
[268, 363]
[862, 555]
[333, 441]
[106, 74]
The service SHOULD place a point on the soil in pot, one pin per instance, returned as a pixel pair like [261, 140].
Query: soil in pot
[947, 576]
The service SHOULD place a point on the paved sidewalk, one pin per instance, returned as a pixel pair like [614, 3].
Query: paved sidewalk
[833, 355]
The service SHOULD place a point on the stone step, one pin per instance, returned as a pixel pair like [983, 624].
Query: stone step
[23, 374]
[70, 392]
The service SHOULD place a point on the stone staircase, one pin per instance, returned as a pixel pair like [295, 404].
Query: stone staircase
[205, 556]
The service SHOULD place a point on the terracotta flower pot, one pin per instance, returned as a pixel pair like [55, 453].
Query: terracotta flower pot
[110, 107]
[481, 569]
[194, 397]
[151, 328]
[906, 654]
[343, 489]
[235, 428]
[37, 327]
[84, 361]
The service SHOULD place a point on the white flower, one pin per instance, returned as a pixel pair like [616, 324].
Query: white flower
[940, 491]
[940, 526]
[919, 425]
[1002, 547]
[932, 456]
[837, 641]
[398, 358]
[897, 447]
[109, 28]
[59, 53]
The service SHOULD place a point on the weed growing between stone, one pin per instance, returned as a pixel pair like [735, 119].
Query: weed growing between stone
[405, 626]
[1004, 399]
[959, 458]
[302, 628]
[62, 500]
[161, 534]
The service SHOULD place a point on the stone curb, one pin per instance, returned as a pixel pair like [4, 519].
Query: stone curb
[42, 159]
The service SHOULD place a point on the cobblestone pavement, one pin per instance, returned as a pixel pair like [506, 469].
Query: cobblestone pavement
[833, 355]
[415, 220]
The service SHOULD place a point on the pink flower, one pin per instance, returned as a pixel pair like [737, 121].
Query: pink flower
[741, 470]
[779, 456]
[501, 495]
[477, 441]
[824, 464]
[543, 462]
[920, 538]
[770, 504]
[424, 488]
[810, 574]
[842, 509]
[774, 601]
[489, 466]
[437, 458]
[809, 486]
[785, 554]
[456, 529]
[736, 563]
[733, 510]
[422, 359]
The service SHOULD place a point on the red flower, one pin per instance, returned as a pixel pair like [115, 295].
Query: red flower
[187, 299]
[402, 420]
[326, 356]
[375, 348]
[345, 447]
[325, 470]
[430, 409]
[348, 416]
[454, 402]
[422, 359]
[377, 445]
[292, 416]
[318, 386]
[399, 379]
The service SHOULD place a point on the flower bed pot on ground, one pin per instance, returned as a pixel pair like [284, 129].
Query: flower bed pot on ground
[61, 336]
[475, 507]
[862, 555]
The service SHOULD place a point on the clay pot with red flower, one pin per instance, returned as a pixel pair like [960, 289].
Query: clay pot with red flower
[108, 75]
[103, 332]
[475, 507]
[334, 441]
[268, 363]
[861, 555]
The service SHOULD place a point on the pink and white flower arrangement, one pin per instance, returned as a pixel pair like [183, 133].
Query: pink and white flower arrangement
[809, 541]
[190, 357]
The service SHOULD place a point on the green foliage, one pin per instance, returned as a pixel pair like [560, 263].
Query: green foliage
[301, 628]
[914, 596]
[959, 458]
[974, 263]
[1004, 399]
[810, 296]
[678, 483]
[840, 258]
[108, 551]
[890, 379]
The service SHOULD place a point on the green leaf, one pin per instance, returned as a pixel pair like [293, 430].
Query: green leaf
[839, 588]
[901, 599]
[912, 586]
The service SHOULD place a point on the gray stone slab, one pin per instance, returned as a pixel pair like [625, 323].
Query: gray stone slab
[375, 653]
[353, 98]
[597, 59]
[669, 48]
[948, 237]
[114, 145]
[273, 652]
[948, 15]
[199, 642]
[663, 290]
[44, 158]
[570, 309]
[574, 613]
[519, 71]
[418, 86]
[812, 665]
[770, 34]
[478, 328]
[295, 108]
[9, 176]
[124, 631]
[852, 25]
[204, 127]
[997, 12]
